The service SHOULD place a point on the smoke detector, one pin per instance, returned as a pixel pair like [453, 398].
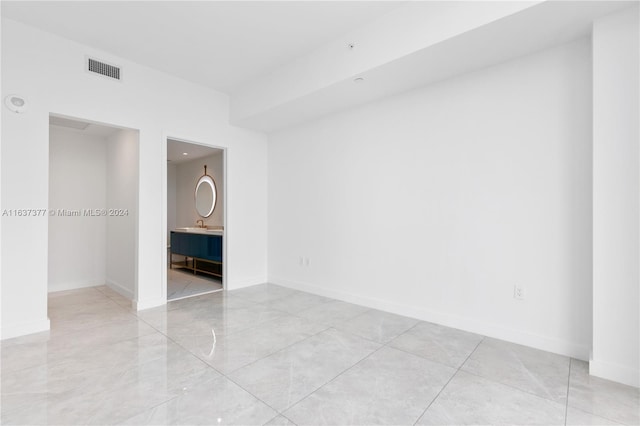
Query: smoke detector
[16, 103]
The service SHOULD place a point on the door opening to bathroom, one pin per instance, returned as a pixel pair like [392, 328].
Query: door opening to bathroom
[195, 203]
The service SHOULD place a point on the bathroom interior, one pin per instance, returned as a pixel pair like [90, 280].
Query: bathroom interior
[195, 219]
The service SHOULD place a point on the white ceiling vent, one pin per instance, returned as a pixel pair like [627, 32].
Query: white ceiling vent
[102, 68]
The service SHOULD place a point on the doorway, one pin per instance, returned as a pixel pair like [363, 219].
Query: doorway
[93, 206]
[195, 219]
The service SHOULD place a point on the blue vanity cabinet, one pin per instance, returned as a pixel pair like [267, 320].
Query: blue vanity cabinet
[204, 250]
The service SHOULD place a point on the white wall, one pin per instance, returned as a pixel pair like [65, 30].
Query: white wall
[77, 181]
[188, 174]
[49, 72]
[616, 192]
[435, 203]
[122, 208]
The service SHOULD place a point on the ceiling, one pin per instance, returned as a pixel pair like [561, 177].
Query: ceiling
[534, 28]
[287, 62]
[176, 150]
[219, 44]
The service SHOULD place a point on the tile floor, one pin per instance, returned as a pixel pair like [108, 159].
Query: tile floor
[271, 355]
[182, 283]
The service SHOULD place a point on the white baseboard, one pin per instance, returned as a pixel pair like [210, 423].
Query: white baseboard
[141, 305]
[17, 330]
[617, 373]
[74, 285]
[472, 325]
[245, 282]
[119, 288]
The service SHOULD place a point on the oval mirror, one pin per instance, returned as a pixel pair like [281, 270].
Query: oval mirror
[205, 195]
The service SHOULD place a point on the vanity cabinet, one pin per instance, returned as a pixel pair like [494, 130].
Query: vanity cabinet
[202, 252]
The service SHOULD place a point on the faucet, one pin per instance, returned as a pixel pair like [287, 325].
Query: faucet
[200, 223]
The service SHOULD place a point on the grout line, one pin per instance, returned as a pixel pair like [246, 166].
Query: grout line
[266, 303]
[566, 406]
[404, 332]
[424, 358]
[510, 386]
[226, 375]
[118, 373]
[578, 408]
[281, 349]
[135, 315]
[206, 364]
[336, 327]
[272, 419]
[66, 334]
[491, 379]
[472, 352]
[328, 327]
[599, 416]
[281, 415]
[241, 330]
[436, 397]
[358, 336]
[259, 399]
[449, 381]
[222, 374]
[262, 304]
[382, 345]
[148, 409]
[334, 377]
[332, 380]
[292, 422]
[332, 324]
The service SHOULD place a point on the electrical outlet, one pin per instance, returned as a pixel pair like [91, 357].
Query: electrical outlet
[518, 292]
[306, 261]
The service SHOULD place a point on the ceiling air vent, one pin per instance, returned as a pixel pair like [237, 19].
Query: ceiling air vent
[102, 68]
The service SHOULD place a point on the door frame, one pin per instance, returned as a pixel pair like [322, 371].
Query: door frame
[165, 258]
[133, 293]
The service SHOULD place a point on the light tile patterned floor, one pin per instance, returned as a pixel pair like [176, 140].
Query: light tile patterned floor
[272, 355]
